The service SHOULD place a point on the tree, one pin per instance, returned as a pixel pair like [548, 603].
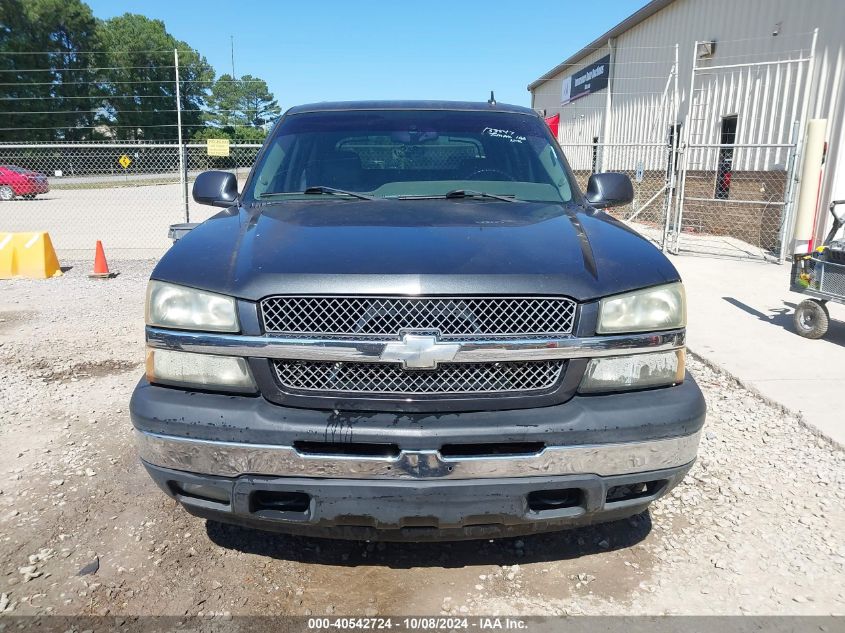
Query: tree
[241, 103]
[242, 133]
[48, 84]
[259, 106]
[142, 87]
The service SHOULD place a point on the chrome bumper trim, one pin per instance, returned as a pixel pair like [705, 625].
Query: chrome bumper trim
[231, 459]
[362, 351]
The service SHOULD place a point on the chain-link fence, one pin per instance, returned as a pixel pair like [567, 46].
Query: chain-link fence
[733, 200]
[126, 194]
[745, 120]
[648, 165]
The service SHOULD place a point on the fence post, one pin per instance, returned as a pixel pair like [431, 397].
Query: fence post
[605, 139]
[685, 158]
[792, 178]
[183, 152]
[674, 149]
[183, 172]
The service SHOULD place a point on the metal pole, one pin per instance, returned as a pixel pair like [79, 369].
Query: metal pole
[232, 42]
[786, 224]
[183, 176]
[679, 206]
[674, 150]
[608, 103]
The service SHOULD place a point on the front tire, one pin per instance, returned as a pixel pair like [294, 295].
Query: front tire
[6, 193]
[811, 319]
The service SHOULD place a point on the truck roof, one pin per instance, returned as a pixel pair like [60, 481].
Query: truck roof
[328, 106]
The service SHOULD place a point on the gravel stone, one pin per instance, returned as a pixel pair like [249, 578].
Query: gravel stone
[754, 528]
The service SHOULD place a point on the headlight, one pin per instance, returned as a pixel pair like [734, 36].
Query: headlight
[641, 371]
[184, 369]
[659, 308]
[169, 305]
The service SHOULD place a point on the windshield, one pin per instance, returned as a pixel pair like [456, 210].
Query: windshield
[412, 153]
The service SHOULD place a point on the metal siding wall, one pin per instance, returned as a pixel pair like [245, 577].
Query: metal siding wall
[580, 120]
[743, 32]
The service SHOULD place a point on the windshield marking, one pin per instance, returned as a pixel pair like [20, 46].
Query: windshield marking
[508, 135]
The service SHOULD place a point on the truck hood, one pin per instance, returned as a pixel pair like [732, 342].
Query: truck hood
[416, 247]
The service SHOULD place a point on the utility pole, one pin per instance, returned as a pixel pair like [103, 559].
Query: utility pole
[183, 176]
[232, 43]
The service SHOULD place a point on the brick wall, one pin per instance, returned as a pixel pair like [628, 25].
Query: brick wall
[757, 223]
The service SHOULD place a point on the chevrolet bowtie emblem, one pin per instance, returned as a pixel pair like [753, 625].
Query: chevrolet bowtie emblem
[418, 351]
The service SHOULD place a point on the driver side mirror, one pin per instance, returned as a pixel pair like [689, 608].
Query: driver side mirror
[216, 188]
[609, 189]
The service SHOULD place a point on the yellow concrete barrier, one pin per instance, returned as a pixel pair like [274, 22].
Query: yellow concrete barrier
[28, 255]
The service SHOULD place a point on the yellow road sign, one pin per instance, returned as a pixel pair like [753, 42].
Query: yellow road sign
[124, 161]
[217, 146]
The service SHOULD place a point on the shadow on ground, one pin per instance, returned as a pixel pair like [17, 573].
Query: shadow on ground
[569, 544]
[782, 317]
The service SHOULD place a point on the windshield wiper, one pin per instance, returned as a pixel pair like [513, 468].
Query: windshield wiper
[471, 193]
[338, 192]
[455, 193]
[319, 189]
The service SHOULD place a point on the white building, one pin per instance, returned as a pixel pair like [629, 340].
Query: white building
[763, 68]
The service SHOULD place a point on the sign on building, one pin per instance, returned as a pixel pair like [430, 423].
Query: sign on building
[586, 81]
[217, 146]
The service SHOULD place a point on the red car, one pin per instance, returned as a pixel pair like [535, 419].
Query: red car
[17, 181]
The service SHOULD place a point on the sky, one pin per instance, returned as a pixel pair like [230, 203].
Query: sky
[335, 50]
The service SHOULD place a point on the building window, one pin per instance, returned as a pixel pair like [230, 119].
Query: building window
[726, 158]
[674, 131]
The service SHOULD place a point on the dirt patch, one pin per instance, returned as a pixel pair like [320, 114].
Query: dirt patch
[10, 318]
[44, 370]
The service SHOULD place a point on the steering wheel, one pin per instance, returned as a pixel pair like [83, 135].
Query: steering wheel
[489, 170]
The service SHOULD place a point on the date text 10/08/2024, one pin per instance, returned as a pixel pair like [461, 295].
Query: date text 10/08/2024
[418, 623]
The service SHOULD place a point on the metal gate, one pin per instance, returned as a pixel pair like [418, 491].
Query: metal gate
[644, 150]
[744, 125]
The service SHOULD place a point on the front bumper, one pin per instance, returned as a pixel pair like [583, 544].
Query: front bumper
[356, 460]
[416, 476]
[415, 510]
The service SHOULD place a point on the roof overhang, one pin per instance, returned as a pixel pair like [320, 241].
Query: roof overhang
[646, 12]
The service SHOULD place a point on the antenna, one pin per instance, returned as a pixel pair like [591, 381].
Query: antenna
[492, 100]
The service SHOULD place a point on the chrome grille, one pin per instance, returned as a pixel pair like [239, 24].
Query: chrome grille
[388, 378]
[387, 317]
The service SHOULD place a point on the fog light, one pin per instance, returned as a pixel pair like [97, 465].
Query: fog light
[641, 371]
[184, 369]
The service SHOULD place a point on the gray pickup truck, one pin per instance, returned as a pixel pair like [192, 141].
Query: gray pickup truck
[411, 324]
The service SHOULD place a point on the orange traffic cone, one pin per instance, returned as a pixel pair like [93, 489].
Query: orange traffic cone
[101, 266]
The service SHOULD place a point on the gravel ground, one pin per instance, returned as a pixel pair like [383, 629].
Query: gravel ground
[756, 528]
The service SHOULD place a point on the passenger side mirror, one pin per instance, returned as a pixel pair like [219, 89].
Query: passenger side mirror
[609, 190]
[217, 188]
